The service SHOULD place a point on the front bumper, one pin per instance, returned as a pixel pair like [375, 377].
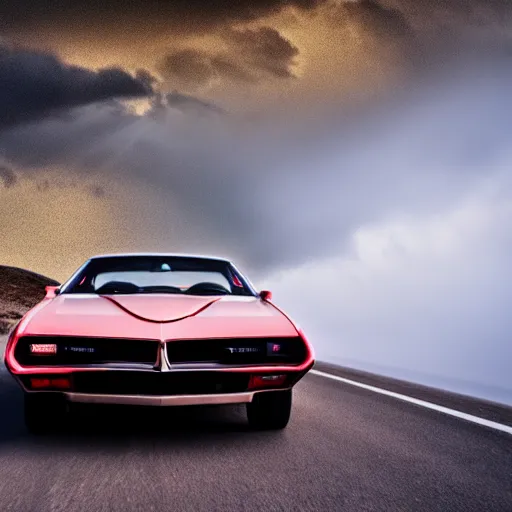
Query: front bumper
[156, 388]
[160, 384]
[168, 400]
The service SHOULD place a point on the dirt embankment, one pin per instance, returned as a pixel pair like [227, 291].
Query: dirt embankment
[20, 290]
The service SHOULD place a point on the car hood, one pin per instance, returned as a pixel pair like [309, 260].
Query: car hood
[161, 308]
[161, 316]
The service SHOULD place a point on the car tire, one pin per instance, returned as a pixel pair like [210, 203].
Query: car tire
[270, 410]
[44, 413]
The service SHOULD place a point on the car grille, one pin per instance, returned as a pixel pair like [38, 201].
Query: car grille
[237, 351]
[86, 351]
[159, 383]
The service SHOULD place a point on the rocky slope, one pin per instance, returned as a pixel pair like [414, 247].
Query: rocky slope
[20, 290]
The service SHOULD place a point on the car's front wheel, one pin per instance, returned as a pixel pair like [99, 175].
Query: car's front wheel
[44, 413]
[270, 410]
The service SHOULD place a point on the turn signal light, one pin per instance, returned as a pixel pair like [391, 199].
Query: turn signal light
[266, 381]
[45, 383]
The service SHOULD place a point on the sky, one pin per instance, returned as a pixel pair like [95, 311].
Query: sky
[352, 156]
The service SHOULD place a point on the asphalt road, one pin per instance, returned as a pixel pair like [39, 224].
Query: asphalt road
[345, 449]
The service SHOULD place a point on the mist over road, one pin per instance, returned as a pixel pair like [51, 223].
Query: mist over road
[344, 449]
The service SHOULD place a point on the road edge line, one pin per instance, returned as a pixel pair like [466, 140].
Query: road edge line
[422, 403]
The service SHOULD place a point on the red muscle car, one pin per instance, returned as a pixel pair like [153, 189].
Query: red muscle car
[161, 330]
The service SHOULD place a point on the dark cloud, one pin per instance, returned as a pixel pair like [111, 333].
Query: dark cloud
[445, 15]
[421, 36]
[448, 19]
[433, 31]
[254, 54]
[182, 16]
[146, 78]
[7, 177]
[33, 84]
[264, 49]
[385, 32]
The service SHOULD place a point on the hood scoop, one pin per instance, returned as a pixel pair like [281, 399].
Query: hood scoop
[160, 309]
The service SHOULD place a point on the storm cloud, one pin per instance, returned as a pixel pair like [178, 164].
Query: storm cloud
[183, 16]
[252, 55]
[264, 49]
[193, 69]
[376, 19]
[221, 170]
[35, 84]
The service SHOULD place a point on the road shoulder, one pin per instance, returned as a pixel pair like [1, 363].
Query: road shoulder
[488, 410]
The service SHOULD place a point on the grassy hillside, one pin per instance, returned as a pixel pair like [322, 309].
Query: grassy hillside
[20, 290]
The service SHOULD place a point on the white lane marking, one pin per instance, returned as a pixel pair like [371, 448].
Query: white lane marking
[421, 403]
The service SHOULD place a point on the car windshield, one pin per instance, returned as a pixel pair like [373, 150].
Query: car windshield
[158, 274]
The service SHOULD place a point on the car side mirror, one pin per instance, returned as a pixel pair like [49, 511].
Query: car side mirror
[51, 291]
[266, 295]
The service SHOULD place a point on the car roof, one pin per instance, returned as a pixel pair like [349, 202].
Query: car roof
[159, 254]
